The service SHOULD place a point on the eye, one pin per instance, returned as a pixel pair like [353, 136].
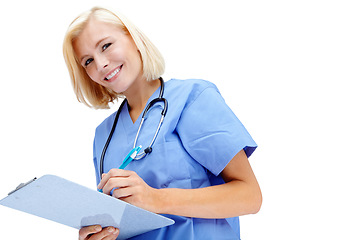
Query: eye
[105, 46]
[87, 62]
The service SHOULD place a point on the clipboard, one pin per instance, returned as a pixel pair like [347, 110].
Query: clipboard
[60, 200]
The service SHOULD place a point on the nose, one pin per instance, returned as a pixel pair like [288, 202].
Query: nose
[101, 63]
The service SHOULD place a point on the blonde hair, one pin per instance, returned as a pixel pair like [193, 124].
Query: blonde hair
[89, 92]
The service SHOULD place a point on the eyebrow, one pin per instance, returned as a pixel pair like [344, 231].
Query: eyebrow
[96, 46]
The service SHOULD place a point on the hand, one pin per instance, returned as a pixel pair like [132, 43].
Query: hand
[96, 232]
[129, 187]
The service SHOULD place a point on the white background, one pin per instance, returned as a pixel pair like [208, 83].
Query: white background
[288, 69]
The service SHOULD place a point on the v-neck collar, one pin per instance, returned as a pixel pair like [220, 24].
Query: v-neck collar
[130, 126]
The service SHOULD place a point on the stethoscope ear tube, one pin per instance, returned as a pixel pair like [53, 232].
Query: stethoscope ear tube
[156, 100]
[109, 138]
[164, 111]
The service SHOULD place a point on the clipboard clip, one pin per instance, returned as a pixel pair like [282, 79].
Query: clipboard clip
[21, 185]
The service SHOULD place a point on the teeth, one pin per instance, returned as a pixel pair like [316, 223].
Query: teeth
[113, 74]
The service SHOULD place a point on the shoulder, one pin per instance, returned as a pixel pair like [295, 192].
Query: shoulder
[189, 89]
[190, 84]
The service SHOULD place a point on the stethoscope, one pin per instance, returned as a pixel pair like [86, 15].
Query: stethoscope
[134, 153]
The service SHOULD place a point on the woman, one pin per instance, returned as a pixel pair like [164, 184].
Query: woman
[196, 171]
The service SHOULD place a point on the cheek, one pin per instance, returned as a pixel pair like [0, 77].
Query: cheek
[93, 75]
[130, 54]
[137, 60]
[116, 55]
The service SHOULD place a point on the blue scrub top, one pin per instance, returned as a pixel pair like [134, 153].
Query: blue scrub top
[199, 136]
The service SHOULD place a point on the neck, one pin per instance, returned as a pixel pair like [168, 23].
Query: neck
[138, 96]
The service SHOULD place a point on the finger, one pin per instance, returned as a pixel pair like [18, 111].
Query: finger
[125, 186]
[112, 236]
[122, 192]
[86, 231]
[113, 173]
[114, 183]
[106, 233]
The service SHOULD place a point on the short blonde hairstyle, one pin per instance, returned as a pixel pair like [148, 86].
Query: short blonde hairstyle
[89, 92]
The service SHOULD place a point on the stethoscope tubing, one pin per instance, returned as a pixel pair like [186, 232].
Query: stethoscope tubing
[148, 150]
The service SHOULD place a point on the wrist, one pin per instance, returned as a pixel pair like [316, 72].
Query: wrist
[161, 201]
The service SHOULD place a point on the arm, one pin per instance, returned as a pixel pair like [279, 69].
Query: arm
[240, 194]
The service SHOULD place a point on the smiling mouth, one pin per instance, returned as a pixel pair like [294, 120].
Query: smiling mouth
[111, 75]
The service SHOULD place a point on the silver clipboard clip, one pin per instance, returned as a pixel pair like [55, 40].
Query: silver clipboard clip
[21, 185]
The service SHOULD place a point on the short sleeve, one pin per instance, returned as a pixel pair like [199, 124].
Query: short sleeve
[211, 133]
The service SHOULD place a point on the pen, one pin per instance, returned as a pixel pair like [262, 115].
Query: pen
[131, 156]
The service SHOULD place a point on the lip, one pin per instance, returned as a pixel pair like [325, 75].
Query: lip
[111, 76]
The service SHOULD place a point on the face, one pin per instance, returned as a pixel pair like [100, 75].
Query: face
[109, 56]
